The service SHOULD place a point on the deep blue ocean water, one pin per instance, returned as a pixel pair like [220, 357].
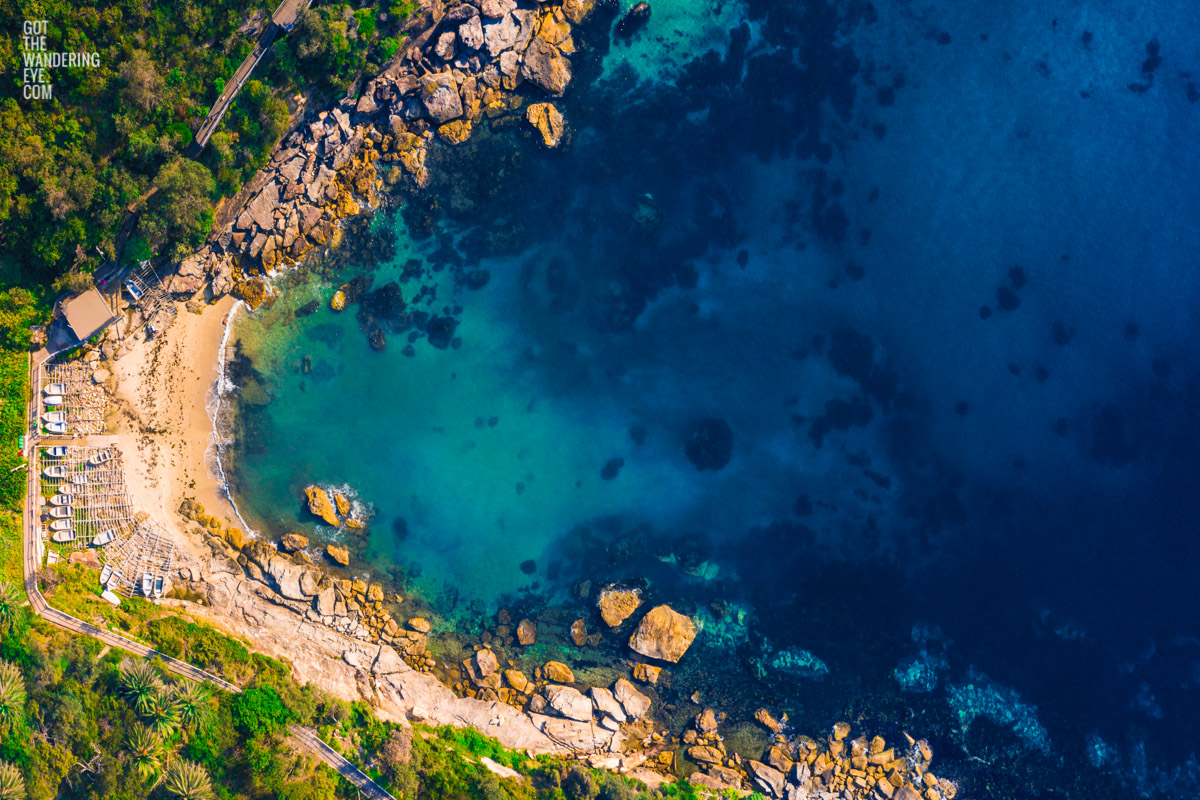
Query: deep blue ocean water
[935, 267]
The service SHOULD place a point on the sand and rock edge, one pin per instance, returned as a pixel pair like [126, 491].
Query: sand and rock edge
[461, 64]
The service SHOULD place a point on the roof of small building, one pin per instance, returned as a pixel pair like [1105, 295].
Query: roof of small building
[87, 314]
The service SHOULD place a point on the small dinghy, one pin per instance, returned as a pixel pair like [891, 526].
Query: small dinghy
[69, 488]
[104, 538]
[62, 525]
[63, 536]
[56, 452]
[158, 586]
[115, 578]
[105, 574]
[54, 416]
[147, 584]
[60, 500]
[55, 388]
[57, 428]
[62, 512]
[53, 400]
[101, 457]
[80, 479]
[56, 471]
[110, 597]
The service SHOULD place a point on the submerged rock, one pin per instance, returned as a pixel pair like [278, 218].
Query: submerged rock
[709, 443]
[634, 20]
[579, 633]
[526, 632]
[617, 604]
[664, 634]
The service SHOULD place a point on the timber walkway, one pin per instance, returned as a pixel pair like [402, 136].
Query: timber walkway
[283, 19]
[31, 559]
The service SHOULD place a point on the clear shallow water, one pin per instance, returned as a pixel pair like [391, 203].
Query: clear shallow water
[1024, 482]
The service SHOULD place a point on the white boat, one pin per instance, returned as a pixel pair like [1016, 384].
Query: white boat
[56, 452]
[147, 584]
[62, 525]
[52, 400]
[62, 512]
[158, 586]
[63, 536]
[60, 500]
[54, 416]
[110, 597]
[55, 388]
[56, 471]
[69, 488]
[115, 578]
[101, 457]
[105, 574]
[80, 479]
[104, 538]
[57, 428]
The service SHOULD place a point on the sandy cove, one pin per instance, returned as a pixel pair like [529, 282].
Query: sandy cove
[163, 388]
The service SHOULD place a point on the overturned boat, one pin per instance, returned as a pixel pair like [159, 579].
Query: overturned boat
[104, 538]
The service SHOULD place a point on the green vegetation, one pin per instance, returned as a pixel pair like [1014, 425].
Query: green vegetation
[71, 165]
[84, 721]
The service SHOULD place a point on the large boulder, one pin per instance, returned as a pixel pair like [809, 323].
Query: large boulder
[261, 210]
[558, 672]
[338, 553]
[291, 542]
[439, 93]
[326, 601]
[664, 634]
[320, 505]
[497, 8]
[709, 443]
[616, 604]
[635, 703]
[769, 779]
[471, 33]
[285, 575]
[486, 662]
[568, 702]
[548, 121]
[607, 704]
[546, 67]
[526, 632]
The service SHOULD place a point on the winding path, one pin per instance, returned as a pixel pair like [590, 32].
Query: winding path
[306, 738]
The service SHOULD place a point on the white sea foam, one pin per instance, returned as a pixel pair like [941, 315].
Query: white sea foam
[221, 435]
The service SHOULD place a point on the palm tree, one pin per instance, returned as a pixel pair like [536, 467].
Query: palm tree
[141, 681]
[10, 601]
[12, 785]
[192, 700]
[162, 713]
[145, 747]
[187, 780]
[12, 696]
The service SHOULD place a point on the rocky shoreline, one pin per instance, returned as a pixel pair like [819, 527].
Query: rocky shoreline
[279, 592]
[462, 63]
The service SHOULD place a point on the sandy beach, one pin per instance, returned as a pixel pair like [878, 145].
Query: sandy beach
[163, 387]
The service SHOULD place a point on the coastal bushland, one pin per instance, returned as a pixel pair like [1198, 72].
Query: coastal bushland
[81, 720]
